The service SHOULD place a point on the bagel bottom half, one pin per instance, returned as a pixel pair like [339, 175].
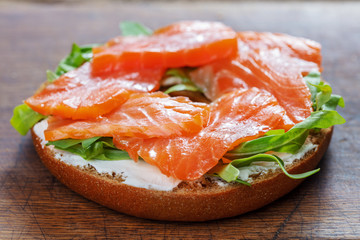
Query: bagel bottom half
[190, 201]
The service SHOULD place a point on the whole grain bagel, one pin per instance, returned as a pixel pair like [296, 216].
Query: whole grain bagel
[199, 200]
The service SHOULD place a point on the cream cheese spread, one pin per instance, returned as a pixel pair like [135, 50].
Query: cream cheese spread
[143, 175]
[264, 167]
[138, 174]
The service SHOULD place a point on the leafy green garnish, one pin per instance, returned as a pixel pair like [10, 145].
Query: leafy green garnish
[231, 171]
[321, 93]
[275, 132]
[182, 87]
[313, 78]
[334, 101]
[292, 140]
[77, 56]
[51, 76]
[289, 142]
[321, 119]
[324, 116]
[129, 28]
[87, 142]
[186, 83]
[101, 148]
[180, 73]
[24, 118]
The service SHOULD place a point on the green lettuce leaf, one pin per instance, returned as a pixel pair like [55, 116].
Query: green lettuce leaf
[113, 154]
[51, 76]
[334, 101]
[275, 132]
[180, 73]
[321, 119]
[65, 143]
[231, 171]
[87, 142]
[321, 93]
[101, 148]
[292, 140]
[313, 79]
[129, 28]
[182, 87]
[324, 116]
[289, 142]
[24, 118]
[186, 83]
[77, 56]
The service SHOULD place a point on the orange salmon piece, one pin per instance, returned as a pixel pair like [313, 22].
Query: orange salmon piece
[234, 118]
[273, 62]
[79, 95]
[144, 115]
[297, 47]
[191, 43]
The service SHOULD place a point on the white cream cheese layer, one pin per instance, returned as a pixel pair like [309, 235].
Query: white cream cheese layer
[143, 175]
[264, 167]
[137, 174]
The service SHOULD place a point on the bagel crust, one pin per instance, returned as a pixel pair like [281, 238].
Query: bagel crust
[183, 203]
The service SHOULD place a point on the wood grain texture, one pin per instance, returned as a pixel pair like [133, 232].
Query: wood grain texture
[34, 205]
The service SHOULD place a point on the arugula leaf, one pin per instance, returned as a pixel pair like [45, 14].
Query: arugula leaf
[321, 93]
[321, 119]
[243, 182]
[65, 143]
[129, 28]
[334, 101]
[275, 132]
[112, 154]
[51, 76]
[76, 58]
[180, 73]
[323, 96]
[182, 87]
[324, 116]
[231, 171]
[186, 83]
[292, 140]
[24, 118]
[228, 172]
[101, 148]
[87, 142]
[311, 80]
[289, 142]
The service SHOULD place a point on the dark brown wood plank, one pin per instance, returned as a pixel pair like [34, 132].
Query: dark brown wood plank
[33, 204]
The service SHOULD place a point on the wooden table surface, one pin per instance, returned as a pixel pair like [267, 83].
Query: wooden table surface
[34, 205]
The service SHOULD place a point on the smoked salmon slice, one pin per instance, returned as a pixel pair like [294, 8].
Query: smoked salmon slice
[236, 117]
[79, 95]
[181, 44]
[273, 62]
[144, 115]
[297, 47]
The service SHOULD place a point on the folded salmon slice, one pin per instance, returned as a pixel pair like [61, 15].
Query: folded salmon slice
[297, 47]
[192, 43]
[79, 95]
[234, 118]
[144, 115]
[273, 62]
